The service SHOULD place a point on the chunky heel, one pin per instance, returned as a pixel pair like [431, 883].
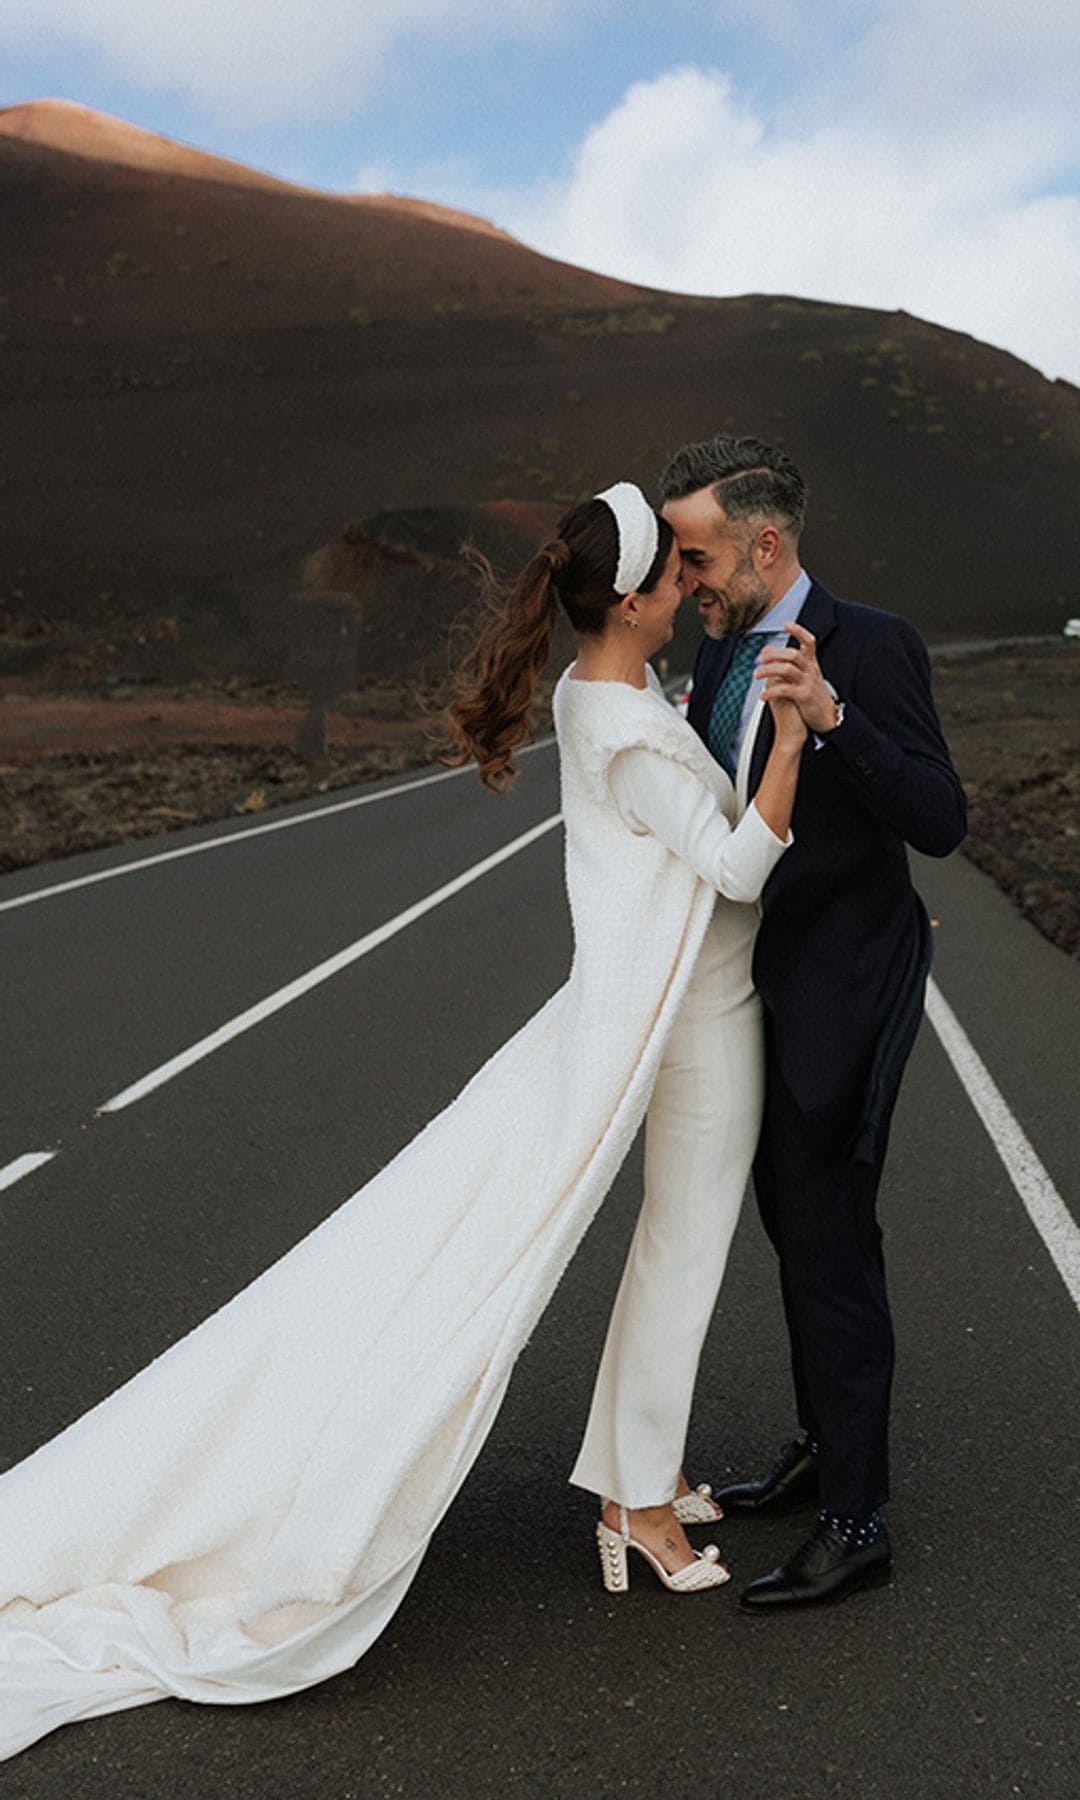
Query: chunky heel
[612, 1559]
[706, 1570]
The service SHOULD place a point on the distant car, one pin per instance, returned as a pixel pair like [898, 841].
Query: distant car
[1071, 628]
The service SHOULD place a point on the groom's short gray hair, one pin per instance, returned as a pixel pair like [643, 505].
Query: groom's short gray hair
[749, 479]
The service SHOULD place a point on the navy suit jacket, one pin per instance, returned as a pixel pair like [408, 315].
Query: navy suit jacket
[844, 944]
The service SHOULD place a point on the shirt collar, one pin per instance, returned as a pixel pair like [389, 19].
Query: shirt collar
[788, 607]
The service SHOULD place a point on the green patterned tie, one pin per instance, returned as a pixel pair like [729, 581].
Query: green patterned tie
[728, 705]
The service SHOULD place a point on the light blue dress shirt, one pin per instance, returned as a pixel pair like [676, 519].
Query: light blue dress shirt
[773, 627]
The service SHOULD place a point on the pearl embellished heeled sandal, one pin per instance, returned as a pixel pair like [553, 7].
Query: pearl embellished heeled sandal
[698, 1508]
[706, 1570]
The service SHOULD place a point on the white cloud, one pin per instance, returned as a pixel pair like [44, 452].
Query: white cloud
[794, 26]
[684, 186]
[922, 53]
[923, 59]
[257, 60]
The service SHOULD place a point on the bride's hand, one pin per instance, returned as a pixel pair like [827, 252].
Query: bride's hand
[791, 730]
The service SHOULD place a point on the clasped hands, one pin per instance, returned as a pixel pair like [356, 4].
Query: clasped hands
[792, 679]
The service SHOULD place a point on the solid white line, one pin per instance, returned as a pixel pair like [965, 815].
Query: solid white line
[248, 832]
[1046, 1209]
[263, 1009]
[24, 1165]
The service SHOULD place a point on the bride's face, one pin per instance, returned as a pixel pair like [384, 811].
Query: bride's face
[655, 611]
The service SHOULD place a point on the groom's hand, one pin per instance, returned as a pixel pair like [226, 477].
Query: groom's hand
[791, 674]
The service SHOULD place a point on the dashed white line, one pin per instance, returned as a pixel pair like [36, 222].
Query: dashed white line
[24, 1165]
[284, 996]
[247, 833]
[1045, 1207]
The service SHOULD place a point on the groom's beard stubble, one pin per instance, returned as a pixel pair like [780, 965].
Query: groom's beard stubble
[744, 600]
[744, 610]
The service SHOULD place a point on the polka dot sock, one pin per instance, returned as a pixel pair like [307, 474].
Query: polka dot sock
[856, 1533]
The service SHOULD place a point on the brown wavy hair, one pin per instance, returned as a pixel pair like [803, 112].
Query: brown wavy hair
[575, 569]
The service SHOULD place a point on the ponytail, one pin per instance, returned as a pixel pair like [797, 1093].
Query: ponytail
[577, 569]
[490, 717]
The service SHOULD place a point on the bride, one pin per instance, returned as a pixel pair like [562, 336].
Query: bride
[243, 1517]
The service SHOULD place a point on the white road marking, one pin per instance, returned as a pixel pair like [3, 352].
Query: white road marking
[24, 1165]
[1046, 1209]
[248, 832]
[254, 1015]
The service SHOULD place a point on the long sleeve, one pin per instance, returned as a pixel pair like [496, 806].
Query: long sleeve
[658, 796]
[890, 749]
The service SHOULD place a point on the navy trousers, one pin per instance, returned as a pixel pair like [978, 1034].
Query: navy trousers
[819, 1209]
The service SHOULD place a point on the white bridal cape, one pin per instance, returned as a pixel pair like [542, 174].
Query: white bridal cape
[242, 1518]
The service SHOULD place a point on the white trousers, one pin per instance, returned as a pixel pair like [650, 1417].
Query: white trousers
[700, 1136]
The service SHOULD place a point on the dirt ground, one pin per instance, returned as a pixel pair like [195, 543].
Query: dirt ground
[1012, 719]
[80, 771]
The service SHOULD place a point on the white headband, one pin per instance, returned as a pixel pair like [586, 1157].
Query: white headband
[639, 534]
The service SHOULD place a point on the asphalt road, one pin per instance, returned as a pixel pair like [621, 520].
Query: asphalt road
[508, 1671]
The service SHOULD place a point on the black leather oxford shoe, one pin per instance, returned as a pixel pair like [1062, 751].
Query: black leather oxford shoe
[821, 1569]
[793, 1482]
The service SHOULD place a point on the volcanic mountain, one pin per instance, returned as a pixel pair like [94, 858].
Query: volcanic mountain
[210, 374]
[80, 131]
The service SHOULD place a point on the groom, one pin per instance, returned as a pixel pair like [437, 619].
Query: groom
[840, 963]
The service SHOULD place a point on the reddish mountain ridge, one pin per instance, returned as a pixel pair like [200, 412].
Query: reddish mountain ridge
[80, 131]
[126, 232]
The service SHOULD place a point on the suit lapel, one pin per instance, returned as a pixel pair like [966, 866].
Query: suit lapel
[819, 612]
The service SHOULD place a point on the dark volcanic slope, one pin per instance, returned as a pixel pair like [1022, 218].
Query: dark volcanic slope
[119, 236]
[204, 382]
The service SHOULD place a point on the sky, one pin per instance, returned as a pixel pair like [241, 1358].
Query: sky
[922, 154]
